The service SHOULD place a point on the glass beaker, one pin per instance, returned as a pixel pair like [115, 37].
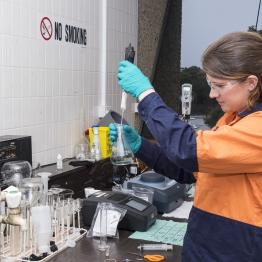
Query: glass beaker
[32, 190]
[82, 151]
[121, 152]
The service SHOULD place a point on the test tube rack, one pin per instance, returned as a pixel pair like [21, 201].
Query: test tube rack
[63, 240]
[21, 245]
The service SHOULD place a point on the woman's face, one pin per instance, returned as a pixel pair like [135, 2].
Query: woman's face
[231, 95]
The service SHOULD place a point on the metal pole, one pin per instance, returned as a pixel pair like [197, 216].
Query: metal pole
[258, 13]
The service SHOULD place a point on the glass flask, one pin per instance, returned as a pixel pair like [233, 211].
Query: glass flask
[82, 149]
[32, 189]
[13, 172]
[121, 152]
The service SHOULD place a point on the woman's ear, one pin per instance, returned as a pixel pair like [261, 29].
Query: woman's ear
[252, 82]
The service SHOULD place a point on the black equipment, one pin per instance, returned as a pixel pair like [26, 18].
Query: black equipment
[140, 214]
[15, 148]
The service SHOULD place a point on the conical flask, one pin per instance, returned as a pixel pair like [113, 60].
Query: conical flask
[82, 151]
[121, 152]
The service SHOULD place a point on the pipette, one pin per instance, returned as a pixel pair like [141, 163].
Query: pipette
[78, 204]
[73, 214]
[56, 229]
[129, 56]
[164, 247]
[123, 105]
[62, 218]
[67, 206]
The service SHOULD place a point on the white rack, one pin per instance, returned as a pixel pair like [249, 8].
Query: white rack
[63, 239]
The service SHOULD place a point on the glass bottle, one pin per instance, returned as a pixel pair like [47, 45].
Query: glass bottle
[95, 145]
[121, 152]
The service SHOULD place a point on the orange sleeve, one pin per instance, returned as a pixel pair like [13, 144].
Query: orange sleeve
[232, 148]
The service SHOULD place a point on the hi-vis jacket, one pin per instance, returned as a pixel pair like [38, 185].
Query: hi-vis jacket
[225, 223]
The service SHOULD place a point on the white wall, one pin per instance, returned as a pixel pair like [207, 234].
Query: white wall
[52, 90]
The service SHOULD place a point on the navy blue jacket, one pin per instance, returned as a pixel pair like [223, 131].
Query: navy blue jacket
[225, 221]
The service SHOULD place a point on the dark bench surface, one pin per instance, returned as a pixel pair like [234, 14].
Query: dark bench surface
[86, 250]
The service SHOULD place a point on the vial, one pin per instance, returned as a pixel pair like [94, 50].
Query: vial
[59, 162]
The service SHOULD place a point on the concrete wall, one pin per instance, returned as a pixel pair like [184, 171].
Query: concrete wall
[167, 73]
[159, 47]
[150, 19]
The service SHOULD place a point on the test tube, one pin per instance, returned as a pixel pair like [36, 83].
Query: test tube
[62, 219]
[78, 212]
[73, 215]
[164, 247]
[68, 217]
[103, 246]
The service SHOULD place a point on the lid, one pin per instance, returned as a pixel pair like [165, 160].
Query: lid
[152, 177]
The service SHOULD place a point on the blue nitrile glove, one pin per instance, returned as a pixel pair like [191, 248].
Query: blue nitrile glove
[112, 132]
[131, 79]
[132, 138]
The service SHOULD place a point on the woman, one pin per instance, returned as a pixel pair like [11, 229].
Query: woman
[225, 223]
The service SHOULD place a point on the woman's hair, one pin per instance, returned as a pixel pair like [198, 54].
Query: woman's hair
[235, 56]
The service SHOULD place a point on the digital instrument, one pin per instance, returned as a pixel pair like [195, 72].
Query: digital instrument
[186, 99]
[140, 214]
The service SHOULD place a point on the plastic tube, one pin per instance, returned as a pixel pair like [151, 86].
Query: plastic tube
[123, 101]
[44, 179]
[123, 105]
[164, 247]
[41, 219]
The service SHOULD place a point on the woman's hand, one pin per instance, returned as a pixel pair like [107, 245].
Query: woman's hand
[132, 80]
[132, 138]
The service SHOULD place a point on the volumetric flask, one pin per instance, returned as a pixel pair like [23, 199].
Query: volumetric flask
[121, 152]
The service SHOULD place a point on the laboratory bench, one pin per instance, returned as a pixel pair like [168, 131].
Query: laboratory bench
[86, 250]
[98, 175]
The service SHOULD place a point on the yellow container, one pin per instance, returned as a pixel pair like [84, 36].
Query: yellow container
[104, 140]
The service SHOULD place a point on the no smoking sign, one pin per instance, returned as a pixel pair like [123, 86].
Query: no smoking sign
[59, 32]
[46, 28]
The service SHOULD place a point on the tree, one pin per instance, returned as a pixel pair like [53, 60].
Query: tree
[252, 28]
[201, 102]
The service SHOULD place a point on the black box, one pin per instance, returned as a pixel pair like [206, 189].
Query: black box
[14, 147]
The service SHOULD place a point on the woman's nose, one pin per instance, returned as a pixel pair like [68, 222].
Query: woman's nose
[213, 93]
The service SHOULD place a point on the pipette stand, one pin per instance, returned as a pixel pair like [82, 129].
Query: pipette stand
[61, 245]
[26, 244]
